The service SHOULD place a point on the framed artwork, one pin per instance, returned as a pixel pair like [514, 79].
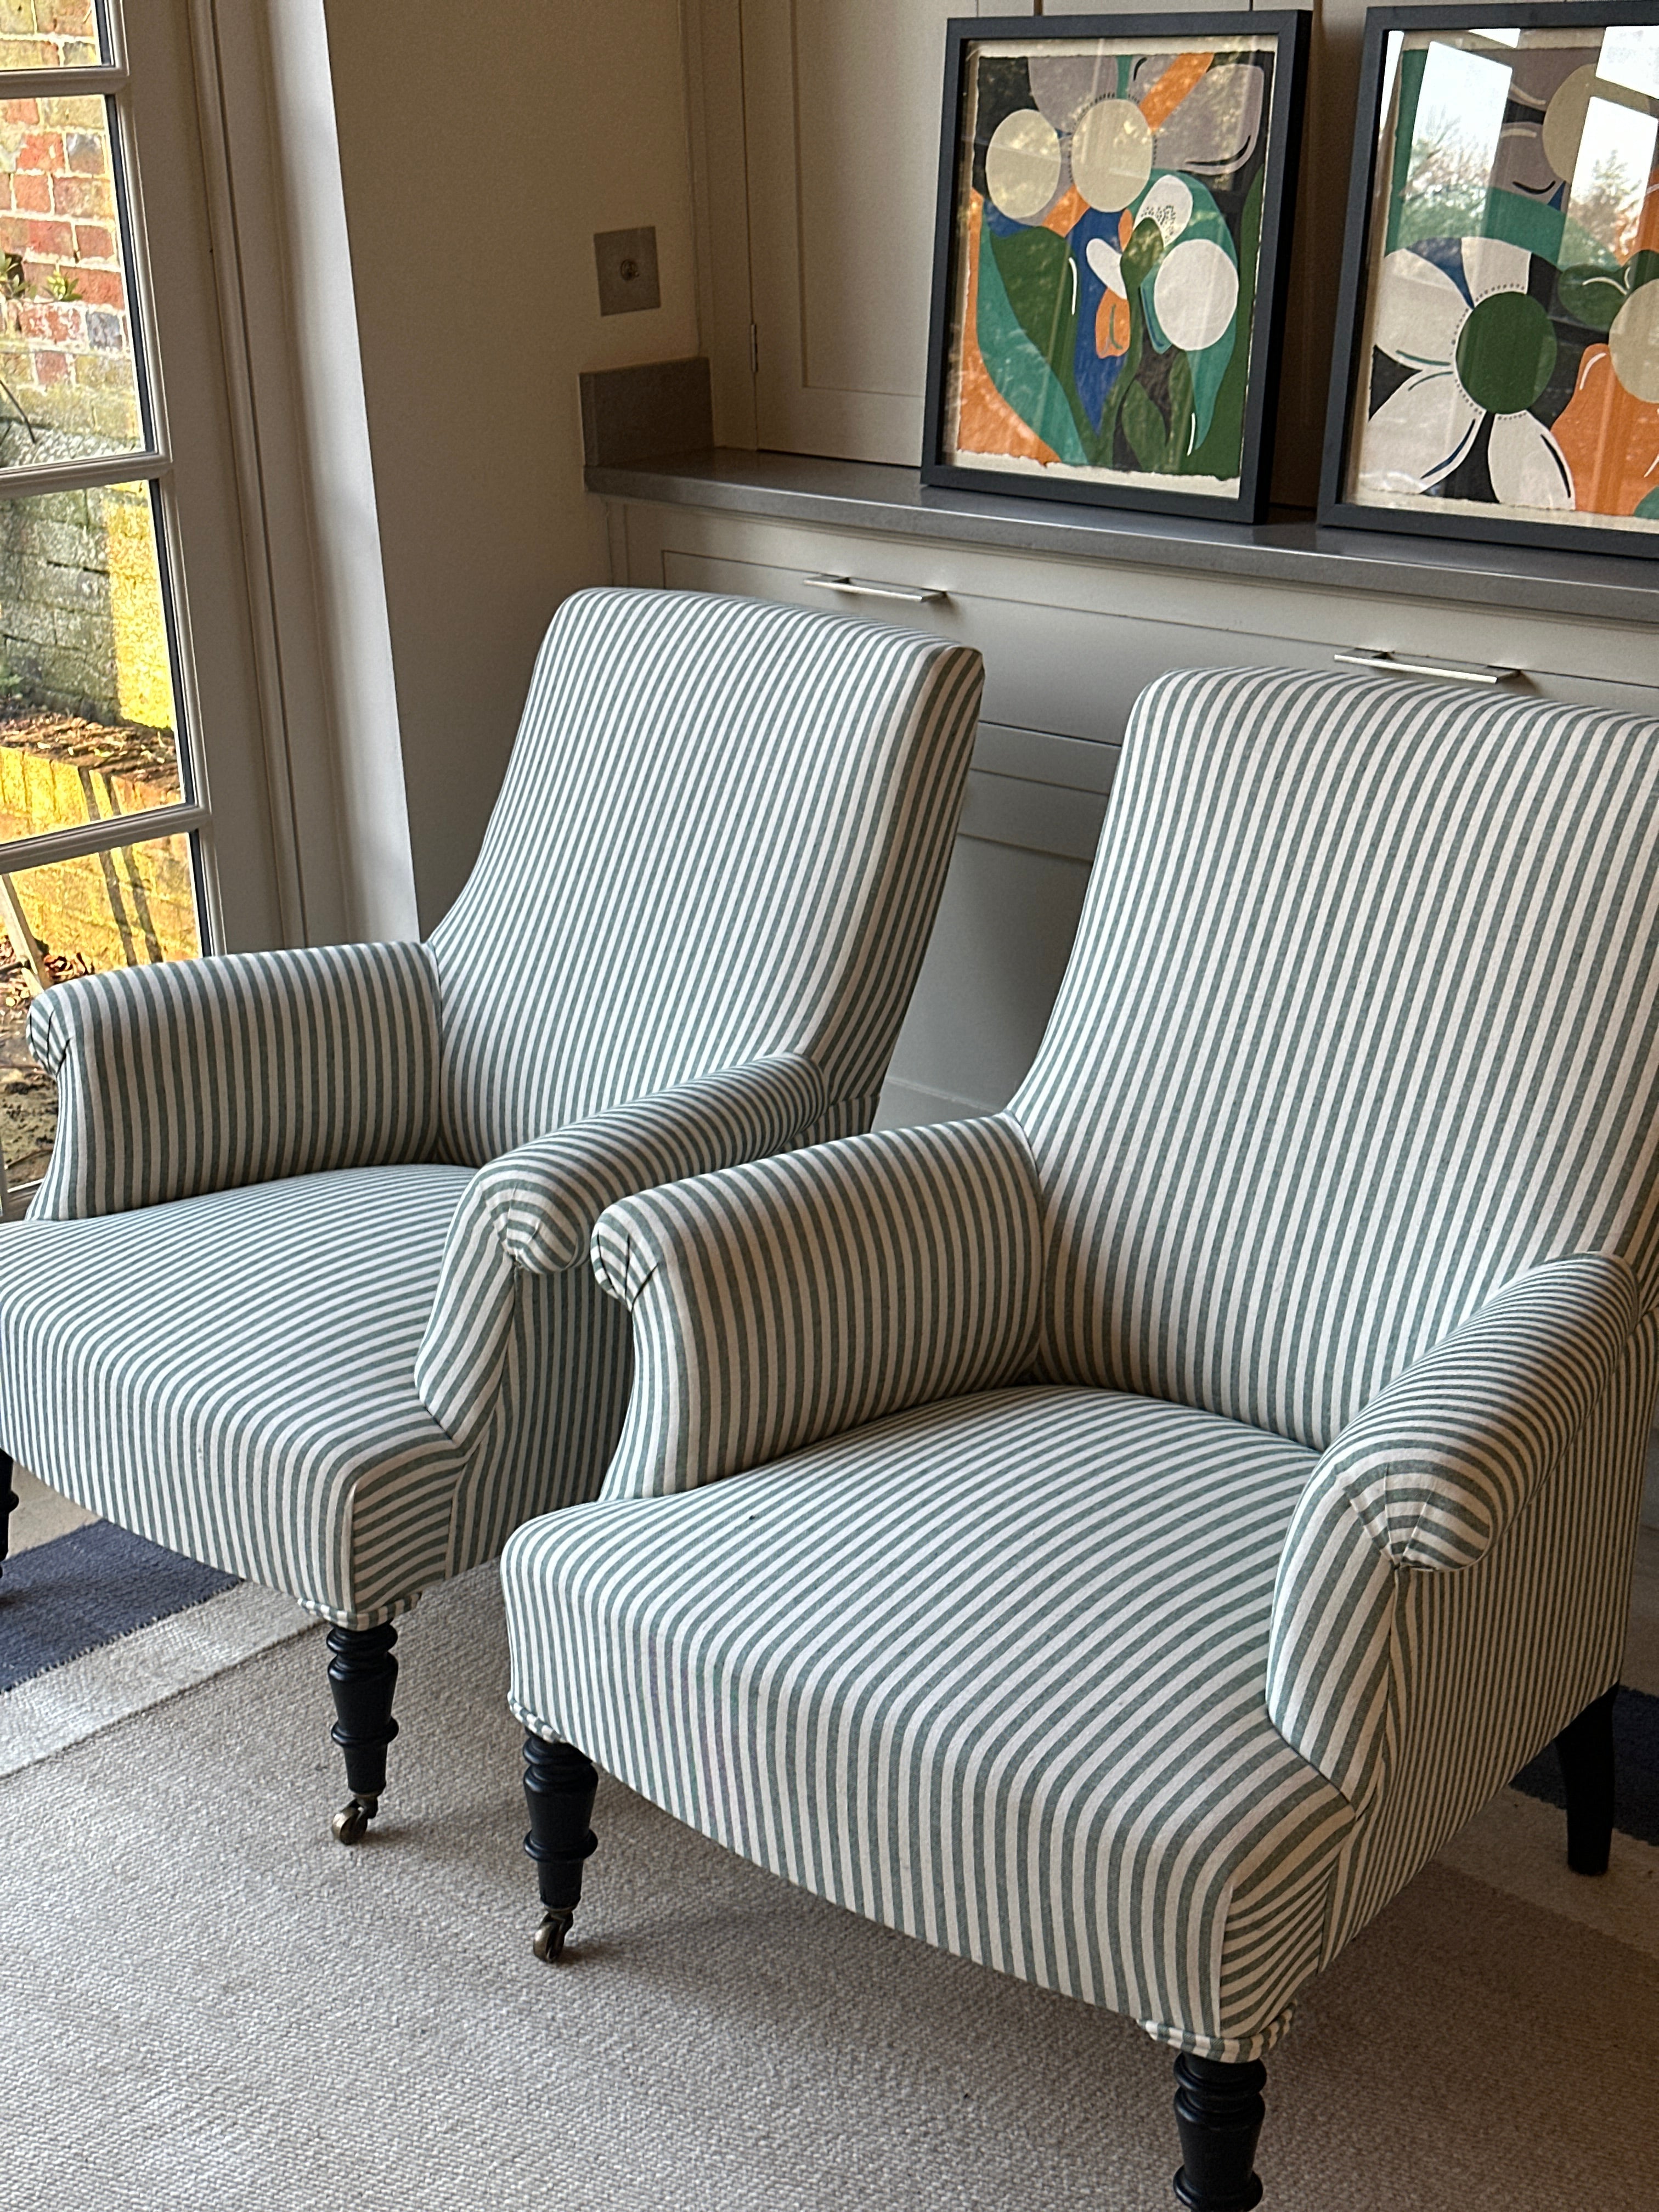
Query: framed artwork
[1496, 373]
[1110, 257]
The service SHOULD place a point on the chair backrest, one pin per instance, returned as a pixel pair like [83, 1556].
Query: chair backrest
[723, 834]
[1359, 1025]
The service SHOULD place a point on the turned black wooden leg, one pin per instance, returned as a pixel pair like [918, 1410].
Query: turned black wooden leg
[1218, 2111]
[8, 1499]
[363, 1675]
[559, 1784]
[1585, 1747]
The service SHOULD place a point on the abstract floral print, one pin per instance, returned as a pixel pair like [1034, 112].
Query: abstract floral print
[1108, 218]
[1511, 355]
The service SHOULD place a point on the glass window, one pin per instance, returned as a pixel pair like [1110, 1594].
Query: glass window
[123, 908]
[88, 726]
[68, 366]
[92, 727]
[37, 34]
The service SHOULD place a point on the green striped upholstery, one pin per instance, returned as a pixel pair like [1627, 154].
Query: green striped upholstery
[231, 1376]
[1212, 1478]
[1360, 1030]
[687, 767]
[203, 1074]
[690, 939]
[799, 1296]
[960, 1670]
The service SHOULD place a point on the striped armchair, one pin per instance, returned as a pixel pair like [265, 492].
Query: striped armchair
[304, 1293]
[1120, 1540]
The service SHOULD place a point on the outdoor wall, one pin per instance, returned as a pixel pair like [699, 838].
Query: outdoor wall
[81, 625]
[479, 157]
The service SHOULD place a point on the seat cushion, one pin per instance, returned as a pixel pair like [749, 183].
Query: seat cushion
[992, 1671]
[232, 1376]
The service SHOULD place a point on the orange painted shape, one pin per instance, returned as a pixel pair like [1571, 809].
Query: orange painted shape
[1647, 221]
[1610, 440]
[986, 423]
[1065, 212]
[1126, 228]
[1177, 81]
[1112, 324]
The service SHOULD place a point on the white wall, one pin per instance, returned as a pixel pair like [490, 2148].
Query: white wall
[480, 152]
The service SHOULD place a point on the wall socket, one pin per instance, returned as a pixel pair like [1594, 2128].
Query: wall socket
[627, 264]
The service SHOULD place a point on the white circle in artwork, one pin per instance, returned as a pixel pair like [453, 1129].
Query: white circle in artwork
[1169, 205]
[1564, 117]
[1022, 165]
[1107, 262]
[1196, 290]
[1634, 341]
[1111, 153]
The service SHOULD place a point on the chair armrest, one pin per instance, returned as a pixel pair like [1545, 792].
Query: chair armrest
[782, 1303]
[200, 1075]
[1439, 1462]
[533, 1209]
[1427, 1477]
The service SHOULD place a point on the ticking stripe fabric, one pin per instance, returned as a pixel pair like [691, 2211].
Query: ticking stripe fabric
[1339, 1157]
[232, 1376]
[721, 837]
[199, 1075]
[532, 1211]
[1362, 1024]
[689, 940]
[789, 1300]
[991, 1672]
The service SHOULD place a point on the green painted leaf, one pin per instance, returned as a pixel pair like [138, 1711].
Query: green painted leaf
[1219, 450]
[1182, 421]
[1641, 269]
[1147, 432]
[1020, 372]
[1142, 254]
[1590, 297]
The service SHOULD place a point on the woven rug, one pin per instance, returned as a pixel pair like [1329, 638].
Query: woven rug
[207, 2003]
[96, 1624]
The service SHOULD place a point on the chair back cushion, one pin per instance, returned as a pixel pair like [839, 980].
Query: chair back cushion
[722, 836]
[1359, 1026]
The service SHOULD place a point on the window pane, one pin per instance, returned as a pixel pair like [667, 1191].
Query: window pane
[66, 341]
[87, 721]
[49, 34]
[119, 909]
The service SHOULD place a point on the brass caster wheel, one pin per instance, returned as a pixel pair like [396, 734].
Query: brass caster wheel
[350, 1823]
[549, 1941]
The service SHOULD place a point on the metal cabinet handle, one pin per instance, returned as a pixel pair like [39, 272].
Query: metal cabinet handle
[862, 587]
[1452, 672]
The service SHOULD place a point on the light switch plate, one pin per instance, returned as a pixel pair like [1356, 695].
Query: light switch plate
[626, 264]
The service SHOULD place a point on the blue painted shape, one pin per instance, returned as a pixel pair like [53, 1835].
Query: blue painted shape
[1003, 225]
[1447, 255]
[1635, 1753]
[62, 1599]
[1093, 376]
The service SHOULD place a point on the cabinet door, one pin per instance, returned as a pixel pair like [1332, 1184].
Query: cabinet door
[841, 106]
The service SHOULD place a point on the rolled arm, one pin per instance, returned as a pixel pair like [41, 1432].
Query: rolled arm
[782, 1303]
[533, 1209]
[1428, 1476]
[199, 1075]
[1439, 1463]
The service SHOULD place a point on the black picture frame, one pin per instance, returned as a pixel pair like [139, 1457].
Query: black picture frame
[1161, 493]
[1337, 508]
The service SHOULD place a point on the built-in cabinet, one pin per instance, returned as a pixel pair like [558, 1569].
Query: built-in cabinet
[815, 130]
[1068, 643]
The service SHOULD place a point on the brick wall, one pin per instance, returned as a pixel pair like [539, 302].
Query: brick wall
[81, 620]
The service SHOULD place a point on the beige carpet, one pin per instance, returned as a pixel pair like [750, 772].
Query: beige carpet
[209, 2004]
